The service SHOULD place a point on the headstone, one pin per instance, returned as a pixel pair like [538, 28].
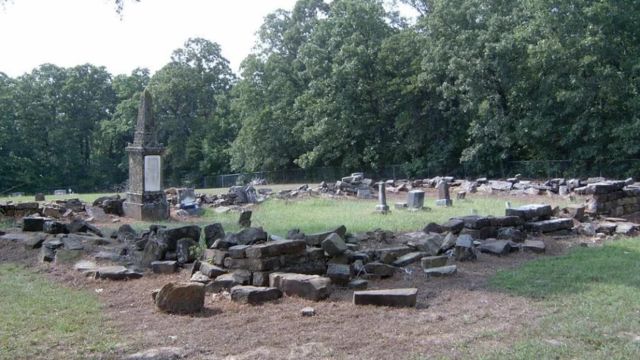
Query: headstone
[382, 206]
[444, 198]
[145, 198]
[415, 199]
[39, 197]
[245, 218]
[59, 192]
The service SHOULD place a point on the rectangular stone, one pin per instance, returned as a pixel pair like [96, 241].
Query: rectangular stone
[312, 287]
[441, 271]
[391, 297]
[152, 170]
[409, 258]
[253, 264]
[532, 211]
[415, 199]
[433, 261]
[276, 248]
[547, 226]
[238, 251]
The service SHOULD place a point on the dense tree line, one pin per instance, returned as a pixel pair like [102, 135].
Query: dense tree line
[350, 83]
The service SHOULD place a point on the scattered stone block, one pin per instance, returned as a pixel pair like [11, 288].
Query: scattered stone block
[334, 245]
[223, 282]
[316, 239]
[308, 312]
[277, 248]
[408, 259]
[464, 250]
[211, 271]
[254, 295]
[212, 233]
[453, 225]
[433, 228]
[391, 297]
[531, 212]
[181, 298]
[496, 247]
[260, 278]
[429, 262]
[358, 284]
[84, 266]
[53, 227]
[379, 269]
[186, 250]
[441, 271]
[115, 273]
[339, 273]
[547, 226]
[510, 233]
[536, 246]
[311, 287]
[164, 267]
[390, 254]
[238, 251]
[33, 223]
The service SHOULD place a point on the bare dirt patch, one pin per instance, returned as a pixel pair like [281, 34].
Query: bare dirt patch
[452, 313]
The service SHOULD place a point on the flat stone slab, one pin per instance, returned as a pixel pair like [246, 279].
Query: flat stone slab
[211, 271]
[441, 271]
[532, 211]
[409, 258]
[496, 247]
[116, 273]
[254, 295]
[380, 269]
[164, 267]
[223, 282]
[275, 248]
[84, 266]
[392, 297]
[536, 246]
[29, 240]
[547, 226]
[312, 287]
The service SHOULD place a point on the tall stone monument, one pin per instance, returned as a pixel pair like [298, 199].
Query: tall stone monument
[145, 199]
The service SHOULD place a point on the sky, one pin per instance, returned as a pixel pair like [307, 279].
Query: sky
[74, 32]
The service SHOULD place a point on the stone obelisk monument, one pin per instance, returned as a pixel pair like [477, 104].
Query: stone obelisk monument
[145, 199]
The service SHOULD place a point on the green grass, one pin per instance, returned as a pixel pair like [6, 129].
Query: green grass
[592, 300]
[40, 319]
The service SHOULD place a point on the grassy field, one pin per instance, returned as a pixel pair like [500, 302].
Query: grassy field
[592, 298]
[40, 319]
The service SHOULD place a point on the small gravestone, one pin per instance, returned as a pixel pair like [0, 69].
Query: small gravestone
[382, 206]
[364, 193]
[40, 197]
[59, 192]
[415, 199]
[444, 198]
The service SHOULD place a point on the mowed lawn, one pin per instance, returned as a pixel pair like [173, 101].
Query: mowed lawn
[592, 300]
[40, 319]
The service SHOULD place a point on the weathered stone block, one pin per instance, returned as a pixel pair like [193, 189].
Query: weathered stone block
[211, 271]
[392, 297]
[334, 245]
[339, 273]
[551, 225]
[238, 251]
[379, 269]
[429, 262]
[409, 258]
[441, 271]
[311, 287]
[164, 267]
[276, 248]
[254, 295]
[181, 298]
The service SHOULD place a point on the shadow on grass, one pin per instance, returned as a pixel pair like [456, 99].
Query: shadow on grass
[614, 263]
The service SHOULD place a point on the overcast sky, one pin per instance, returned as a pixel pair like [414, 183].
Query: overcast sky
[72, 32]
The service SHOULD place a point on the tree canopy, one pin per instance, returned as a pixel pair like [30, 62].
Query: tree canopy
[473, 84]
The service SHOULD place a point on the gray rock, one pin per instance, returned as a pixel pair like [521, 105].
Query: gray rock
[308, 312]
[449, 242]
[181, 298]
[254, 295]
[164, 267]
[334, 245]
[433, 228]
[441, 271]
[454, 225]
[627, 228]
[126, 234]
[53, 227]
[247, 236]
[427, 243]
[84, 266]
[238, 251]
[277, 248]
[224, 282]
[245, 218]
[170, 237]
[531, 212]
[311, 287]
[390, 254]
[429, 262]
[33, 223]
[391, 297]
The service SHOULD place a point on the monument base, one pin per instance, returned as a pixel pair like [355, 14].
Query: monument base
[157, 209]
[444, 202]
[382, 209]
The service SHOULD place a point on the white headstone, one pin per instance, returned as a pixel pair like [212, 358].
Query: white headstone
[152, 173]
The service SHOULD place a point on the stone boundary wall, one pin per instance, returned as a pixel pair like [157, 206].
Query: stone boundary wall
[611, 198]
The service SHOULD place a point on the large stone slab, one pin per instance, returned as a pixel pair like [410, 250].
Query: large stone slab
[254, 295]
[496, 247]
[316, 239]
[311, 287]
[429, 262]
[391, 297]
[441, 271]
[276, 248]
[547, 226]
[164, 267]
[181, 298]
[379, 269]
[532, 211]
[116, 273]
[409, 258]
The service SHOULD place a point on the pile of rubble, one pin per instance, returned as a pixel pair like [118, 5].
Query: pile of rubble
[103, 209]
